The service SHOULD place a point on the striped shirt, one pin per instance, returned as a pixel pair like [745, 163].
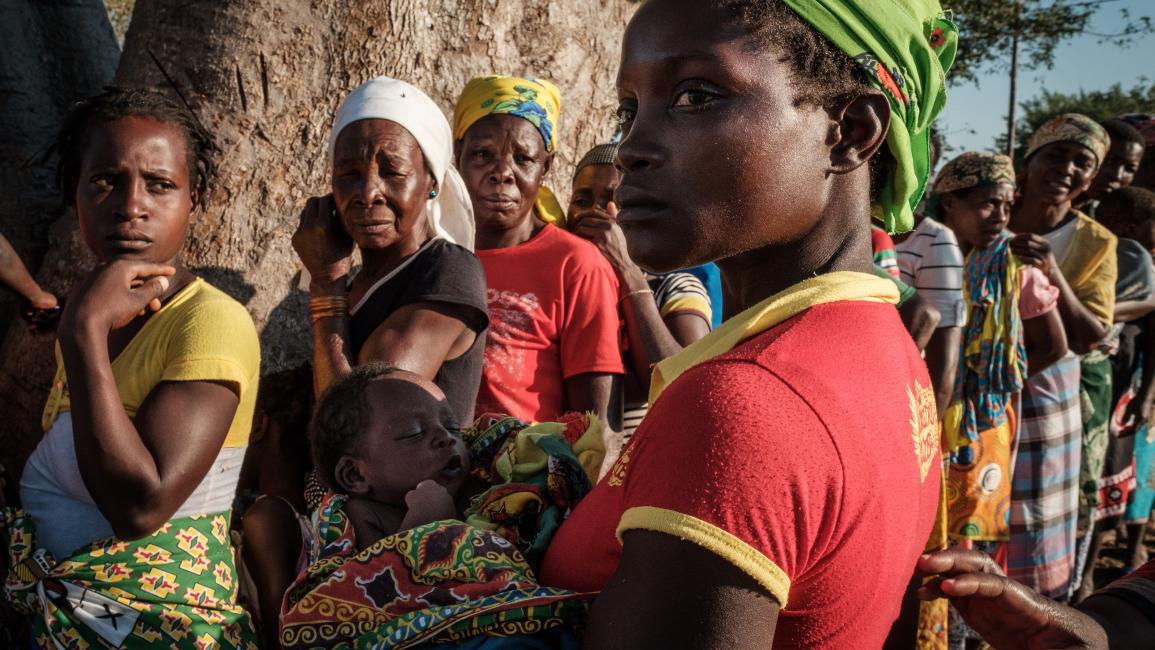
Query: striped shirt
[932, 262]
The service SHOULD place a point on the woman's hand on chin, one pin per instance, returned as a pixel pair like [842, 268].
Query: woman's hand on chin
[112, 295]
[321, 242]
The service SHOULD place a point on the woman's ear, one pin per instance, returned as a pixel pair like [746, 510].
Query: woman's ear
[349, 476]
[858, 130]
[194, 213]
[548, 163]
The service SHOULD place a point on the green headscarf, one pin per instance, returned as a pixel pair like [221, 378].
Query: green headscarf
[907, 46]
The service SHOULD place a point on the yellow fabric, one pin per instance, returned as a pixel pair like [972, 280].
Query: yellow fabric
[1090, 267]
[826, 288]
[997, 321]
[688, 303]
[548, 208]
[527, 458]
[714, 539]
[201, 334]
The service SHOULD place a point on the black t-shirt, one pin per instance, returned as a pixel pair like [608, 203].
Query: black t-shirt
[445, 273]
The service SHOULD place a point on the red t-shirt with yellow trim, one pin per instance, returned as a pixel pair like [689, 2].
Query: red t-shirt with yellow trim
[808, 456]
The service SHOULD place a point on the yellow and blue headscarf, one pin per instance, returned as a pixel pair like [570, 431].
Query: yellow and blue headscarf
[535, 100]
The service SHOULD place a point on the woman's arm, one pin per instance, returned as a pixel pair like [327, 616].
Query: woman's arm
[1045, 341]
[1132, 310]
[1139, 409]
[326, 251]
[1084, 329]
[139, 471]
[920, 319]
[707, 603]
[652, 338]
[14, 274]
[942, 363]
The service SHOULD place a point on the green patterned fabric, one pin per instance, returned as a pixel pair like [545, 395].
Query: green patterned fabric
[176, 588]
[906, 46]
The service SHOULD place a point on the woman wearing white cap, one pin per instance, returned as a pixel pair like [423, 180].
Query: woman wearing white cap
[419, 299]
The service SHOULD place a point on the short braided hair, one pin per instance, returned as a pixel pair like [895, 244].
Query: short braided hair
[342, 418]
[117, 103]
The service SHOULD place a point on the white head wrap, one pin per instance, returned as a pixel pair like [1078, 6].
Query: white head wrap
[383, 98]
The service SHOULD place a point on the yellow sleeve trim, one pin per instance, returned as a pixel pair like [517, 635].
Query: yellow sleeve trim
[714, 539]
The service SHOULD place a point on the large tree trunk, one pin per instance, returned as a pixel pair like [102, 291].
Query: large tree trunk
[54, 54]
[265, 78]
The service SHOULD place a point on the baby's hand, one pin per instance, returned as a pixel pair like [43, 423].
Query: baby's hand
[427, 502]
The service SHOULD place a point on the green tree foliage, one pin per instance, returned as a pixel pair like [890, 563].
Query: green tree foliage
[987, 27]
[1097, 104]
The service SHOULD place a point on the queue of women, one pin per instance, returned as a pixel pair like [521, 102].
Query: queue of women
[527, 433]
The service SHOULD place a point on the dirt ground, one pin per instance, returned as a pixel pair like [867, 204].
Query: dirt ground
[1114, 555]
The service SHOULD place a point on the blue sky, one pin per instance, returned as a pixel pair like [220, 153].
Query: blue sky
[974, 116]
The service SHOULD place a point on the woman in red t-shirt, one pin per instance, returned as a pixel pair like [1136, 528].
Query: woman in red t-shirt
[552, 344]
[785, 479]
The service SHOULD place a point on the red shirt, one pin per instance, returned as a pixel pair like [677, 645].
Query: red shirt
[807, 456]
[552, 315]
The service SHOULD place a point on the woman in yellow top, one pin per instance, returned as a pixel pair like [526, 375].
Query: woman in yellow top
[1078, 256]
[124, 542]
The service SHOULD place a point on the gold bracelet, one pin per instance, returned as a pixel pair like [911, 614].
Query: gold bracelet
[635, 292]
[328, 307]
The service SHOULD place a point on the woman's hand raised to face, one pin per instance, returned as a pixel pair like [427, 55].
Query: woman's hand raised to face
[1004, 612]
[606, 234]
[321, 242]
[1035, 250]
[112, 295]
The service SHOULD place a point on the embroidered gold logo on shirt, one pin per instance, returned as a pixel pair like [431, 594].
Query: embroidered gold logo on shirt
[618, 471]
[924, 426]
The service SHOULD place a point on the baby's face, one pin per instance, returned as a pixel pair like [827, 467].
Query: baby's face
[413, 437]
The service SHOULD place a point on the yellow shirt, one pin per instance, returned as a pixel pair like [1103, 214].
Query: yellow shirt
[1089, 265]
[201, 334]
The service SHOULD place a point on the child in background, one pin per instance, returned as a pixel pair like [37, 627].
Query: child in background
[1129, 213]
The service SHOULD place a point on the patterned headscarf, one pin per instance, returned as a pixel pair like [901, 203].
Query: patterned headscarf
[602, 154]
[1072, 127]
[971, 169]
[906, 46]
[1144, 123]
[535, 100]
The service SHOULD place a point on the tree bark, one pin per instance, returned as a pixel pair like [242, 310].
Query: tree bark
[265, 77]
[55, 53]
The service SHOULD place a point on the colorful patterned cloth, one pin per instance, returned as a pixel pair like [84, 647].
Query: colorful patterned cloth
[443, 582]
[1072, 127]
[535, 100]
[176, 588]
[1045, 488]
[539, 472]
[1140, 501]
[906, 47]
[448, 581]
[993, 361]
[971, 169]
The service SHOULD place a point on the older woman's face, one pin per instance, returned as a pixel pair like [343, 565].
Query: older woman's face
[503, 161]
[1059, 172]
[979, 215]
[381, 184]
